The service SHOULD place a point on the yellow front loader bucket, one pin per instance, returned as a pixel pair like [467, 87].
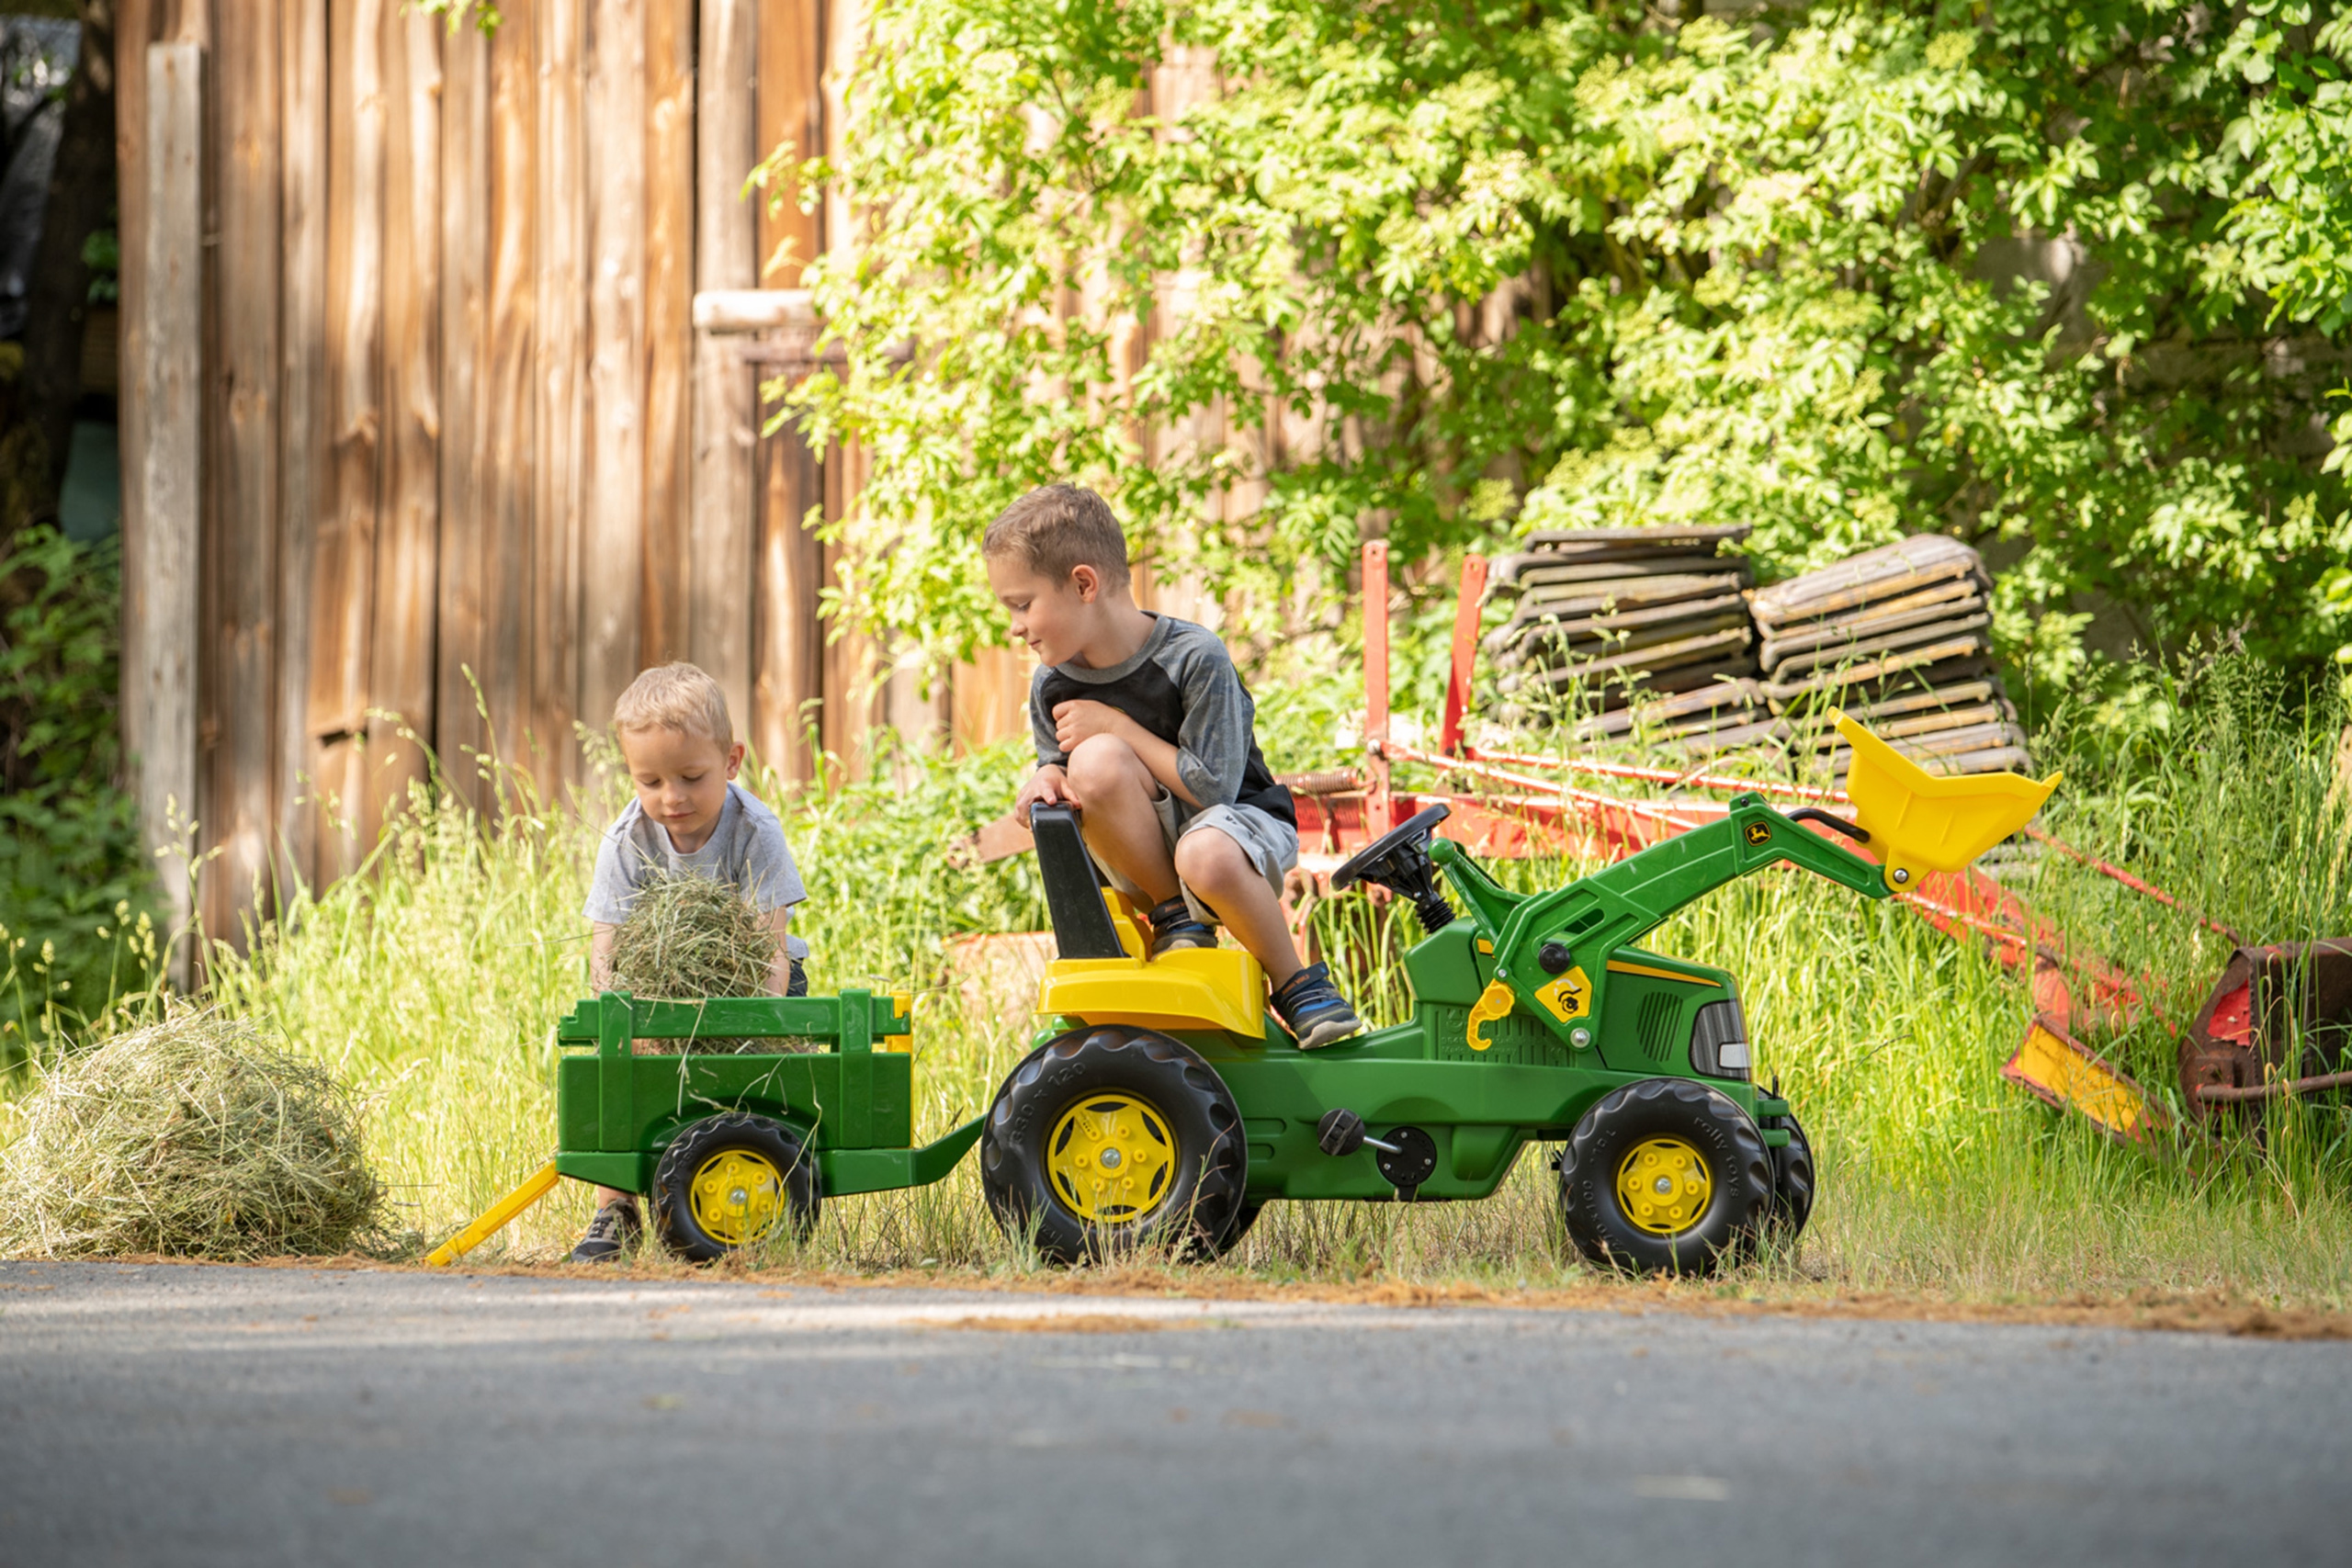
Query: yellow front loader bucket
[1919, 823]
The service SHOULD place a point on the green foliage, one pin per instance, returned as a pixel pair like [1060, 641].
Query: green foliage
[2021, 273]
[72, 873]
[884, 897]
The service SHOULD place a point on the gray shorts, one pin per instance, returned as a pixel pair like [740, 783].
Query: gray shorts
[1270, 843]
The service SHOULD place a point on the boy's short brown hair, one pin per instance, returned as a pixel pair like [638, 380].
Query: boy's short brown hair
[1057, 529]
[677, 696]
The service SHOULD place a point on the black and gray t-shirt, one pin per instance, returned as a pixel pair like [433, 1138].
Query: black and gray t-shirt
[1181, 686]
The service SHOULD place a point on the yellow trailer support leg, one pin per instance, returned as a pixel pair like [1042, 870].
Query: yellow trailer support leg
[494, 1219]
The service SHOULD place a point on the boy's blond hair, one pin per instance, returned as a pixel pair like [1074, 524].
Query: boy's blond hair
[677, 696]
[1055, 530]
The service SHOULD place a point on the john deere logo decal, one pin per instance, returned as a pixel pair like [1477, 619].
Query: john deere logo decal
[1757, 832]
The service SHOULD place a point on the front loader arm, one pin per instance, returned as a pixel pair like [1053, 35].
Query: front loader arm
[1552, 950]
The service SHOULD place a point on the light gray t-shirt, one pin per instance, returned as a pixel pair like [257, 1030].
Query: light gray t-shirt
[745, 850]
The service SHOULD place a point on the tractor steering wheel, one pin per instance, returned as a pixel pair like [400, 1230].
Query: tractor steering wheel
[1399, 861]
[1403, 845]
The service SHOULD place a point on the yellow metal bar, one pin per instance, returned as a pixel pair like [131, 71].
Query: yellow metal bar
[495, 1218]
[2055, 1065]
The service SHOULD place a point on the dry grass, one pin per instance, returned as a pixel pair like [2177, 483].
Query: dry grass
[688, 938]
[194, 1137]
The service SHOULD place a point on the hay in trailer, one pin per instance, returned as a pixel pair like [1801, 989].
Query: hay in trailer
[688, 938]
[195, 1137]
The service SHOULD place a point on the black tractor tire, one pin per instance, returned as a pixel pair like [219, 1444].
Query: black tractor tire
[1718, 1137]
[1187, 1137]
[760, 1141]
[1793, 1179]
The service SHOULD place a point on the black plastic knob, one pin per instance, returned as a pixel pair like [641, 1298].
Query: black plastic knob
[1555, 958]
[1341, 1133]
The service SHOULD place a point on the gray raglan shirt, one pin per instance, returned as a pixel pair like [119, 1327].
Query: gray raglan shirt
[1181, 686]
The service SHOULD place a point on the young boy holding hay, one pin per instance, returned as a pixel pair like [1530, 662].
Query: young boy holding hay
[1142, 722]
[690, 818]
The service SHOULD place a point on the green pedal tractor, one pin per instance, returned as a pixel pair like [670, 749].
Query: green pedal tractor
[1164, 1106]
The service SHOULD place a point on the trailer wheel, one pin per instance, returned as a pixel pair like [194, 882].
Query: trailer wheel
[731, 1181]
[1792, 1178]
[1665, 1176]
[1109, 1139]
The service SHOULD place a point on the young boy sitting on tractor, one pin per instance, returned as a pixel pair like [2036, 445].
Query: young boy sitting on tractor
[690, 818]
[1142, 724]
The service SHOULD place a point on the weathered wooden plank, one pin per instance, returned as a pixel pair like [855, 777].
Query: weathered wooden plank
[135, 25]
[990, 698]
[561, 316]
[458, 735]
[844, 36]
[304, 480]
[192, 23]
[407, 538]
[613, 539]
[510, 424]
[167, 472]
[790, 637]
[343, 576]
[791, 108]
[720, 600]
[669, 332]
[853, 669]
[854, 676]
[241, 675]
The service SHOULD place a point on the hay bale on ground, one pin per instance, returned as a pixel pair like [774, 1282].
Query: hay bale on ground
[688, 938]
[195, 1137]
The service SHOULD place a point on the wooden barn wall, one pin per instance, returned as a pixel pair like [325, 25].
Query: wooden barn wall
[466, 464]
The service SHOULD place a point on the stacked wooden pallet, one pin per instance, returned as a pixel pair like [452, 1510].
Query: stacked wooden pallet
[1605, 616]
[1900, 639]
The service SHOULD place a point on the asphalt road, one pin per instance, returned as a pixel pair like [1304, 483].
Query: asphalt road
[196, 1416]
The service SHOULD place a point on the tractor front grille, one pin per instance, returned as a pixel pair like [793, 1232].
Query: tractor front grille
[1654, 1024]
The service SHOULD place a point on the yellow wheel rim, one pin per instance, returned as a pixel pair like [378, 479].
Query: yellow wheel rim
[1664, 1186]
[1111, 1158]
[738, 1197]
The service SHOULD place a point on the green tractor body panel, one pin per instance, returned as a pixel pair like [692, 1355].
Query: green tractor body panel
[615, 1111]
[1481, 1072]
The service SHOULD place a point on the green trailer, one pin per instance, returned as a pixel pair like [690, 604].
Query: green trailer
[730, 1146]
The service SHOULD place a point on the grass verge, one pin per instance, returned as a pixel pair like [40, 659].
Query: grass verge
[432, 984]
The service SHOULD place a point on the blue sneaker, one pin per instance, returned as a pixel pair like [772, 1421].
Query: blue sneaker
[1173, 928]
[1314, 1008]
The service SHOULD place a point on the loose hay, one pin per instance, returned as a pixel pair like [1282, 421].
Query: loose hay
[688, 938]
[194, 1137]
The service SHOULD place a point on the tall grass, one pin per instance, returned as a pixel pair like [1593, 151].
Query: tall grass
[432, 982]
